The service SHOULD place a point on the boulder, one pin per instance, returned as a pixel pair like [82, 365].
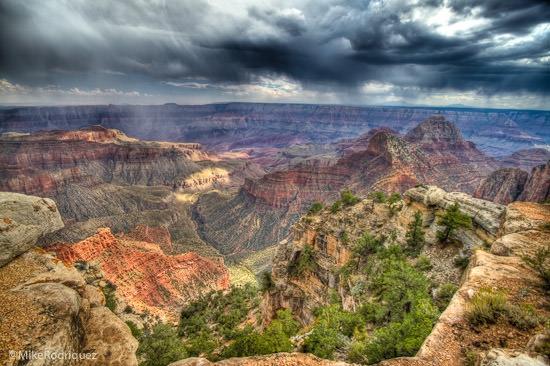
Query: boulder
[23, 220]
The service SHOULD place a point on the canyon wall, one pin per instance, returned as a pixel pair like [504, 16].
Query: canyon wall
[235, 125]
[324, 232]
[151, 281]
[506, 185]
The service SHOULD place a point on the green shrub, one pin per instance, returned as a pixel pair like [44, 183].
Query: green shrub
[451, 220]
[379, 197]
[367, 245]
[136, 333]
[110, 299]
[315, 208]
[388, 287]
[462, 262]
[323, 341]
[305, 262]
[357, 352]
[423, 263]
[162, 347]
[524, 316]
[344, 238]
[266, 282]
[348, 199]
[335, 207]
[444, 295]
[540, 262]
[415, 236]
[487, 306]
[402, 339]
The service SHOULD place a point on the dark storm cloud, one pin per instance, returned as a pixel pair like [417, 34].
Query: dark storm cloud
[340, 43]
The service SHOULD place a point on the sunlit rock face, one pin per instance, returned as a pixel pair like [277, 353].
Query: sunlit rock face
[150, 280]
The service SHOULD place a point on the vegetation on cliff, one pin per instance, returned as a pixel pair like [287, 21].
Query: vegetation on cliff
[452, 220]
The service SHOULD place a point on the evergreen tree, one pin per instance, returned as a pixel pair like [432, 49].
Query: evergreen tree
[415, 236]
[451, 220]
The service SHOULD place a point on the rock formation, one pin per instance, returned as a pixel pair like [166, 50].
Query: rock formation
[511, 231]
[271, 204]
[48, 308]
[537, 187]
[149, 280]
[438, 136]
[504, 185]
[526, 159]
[277, 359]
[23, 220]
[323, 232]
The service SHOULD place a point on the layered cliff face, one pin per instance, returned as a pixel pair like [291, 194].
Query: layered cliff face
[537, 187]
[438, 136]
[526, 159]
[263, 211]
[47, 307]
[101, 177]
[234, 125]
[506, 185]
[46, 162]
[503, 185]
[390, 163]
[150, 280]
[324, 233]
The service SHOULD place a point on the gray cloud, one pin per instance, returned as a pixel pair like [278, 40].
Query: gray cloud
[316, 43]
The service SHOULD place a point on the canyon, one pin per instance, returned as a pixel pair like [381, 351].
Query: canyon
[150, 280]
[227, 126]
[161, 216]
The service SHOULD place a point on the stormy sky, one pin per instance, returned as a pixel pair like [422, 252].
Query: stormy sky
[491, 53]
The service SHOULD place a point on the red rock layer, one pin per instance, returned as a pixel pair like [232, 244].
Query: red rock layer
[438, 136]
[390, 164]
[353, 145]
[158, 235]
[502, 186]
[43, 162]
[537, 187]
[148, 279]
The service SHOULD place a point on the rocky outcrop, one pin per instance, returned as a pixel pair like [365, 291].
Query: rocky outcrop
[390, 164]
[352, 145]
[506, 185]
[277, 359]
[23, 220]
[526, 159]
[149, 280]
[502, 186]
[504, 269]
[48, 308]
[234, 125]
[323, 232]
[438, 136]
[513, 231]
[537, 187]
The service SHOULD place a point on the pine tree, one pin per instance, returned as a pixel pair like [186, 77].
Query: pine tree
[415, 235]
[453, 219]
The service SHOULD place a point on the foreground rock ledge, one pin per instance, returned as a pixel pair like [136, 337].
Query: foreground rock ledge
[45, 304]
